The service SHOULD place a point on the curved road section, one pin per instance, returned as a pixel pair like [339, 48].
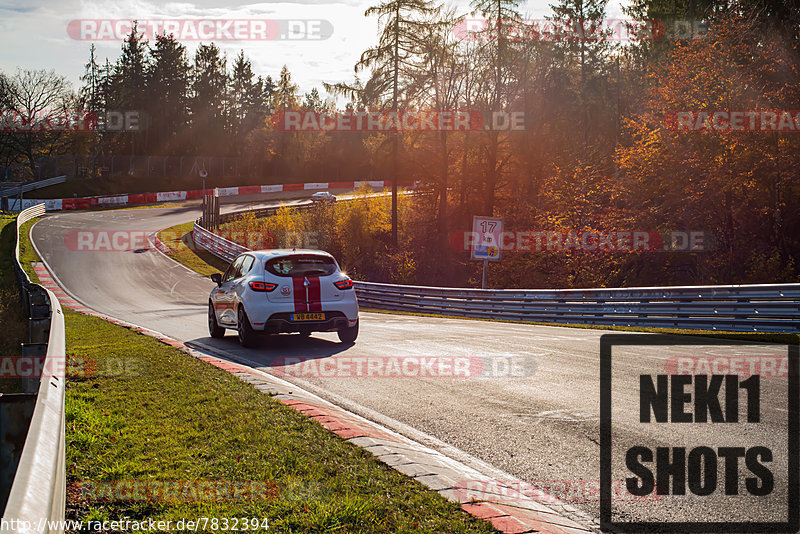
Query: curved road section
[524, 399]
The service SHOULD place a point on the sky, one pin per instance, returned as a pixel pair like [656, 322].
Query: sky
[323, 43]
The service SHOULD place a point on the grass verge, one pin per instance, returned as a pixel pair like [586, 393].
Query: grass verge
[27, 254]
[151, 413]
[179, 239]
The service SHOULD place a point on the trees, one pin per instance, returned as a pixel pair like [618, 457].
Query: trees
[249, 102]
[285, 99]
[437, 83]
[740, 185]
[168, 89]
[285, 96]
[500, 15]
[584, 57]
[208, 102]
[129, 84]
[37, 95]
[572, 168]
[90, 94]
[390, 65]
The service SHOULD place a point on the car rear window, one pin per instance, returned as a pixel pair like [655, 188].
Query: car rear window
[301, 265]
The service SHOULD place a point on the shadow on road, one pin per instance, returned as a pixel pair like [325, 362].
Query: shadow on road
[272, 351]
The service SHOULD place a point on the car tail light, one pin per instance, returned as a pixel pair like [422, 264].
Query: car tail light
[344, 284]
[263, 286]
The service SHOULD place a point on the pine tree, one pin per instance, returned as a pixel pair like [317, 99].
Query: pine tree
[285, 96]
[130, 76]
[209, 99]
[90, 93]
[168, 87]
[246, 108]
[389, 64]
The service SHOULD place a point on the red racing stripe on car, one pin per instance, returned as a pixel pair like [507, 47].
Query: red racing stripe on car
[314, 298]
[299, 291]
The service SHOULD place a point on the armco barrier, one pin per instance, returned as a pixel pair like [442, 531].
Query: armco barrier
[38, 490]
[742, 308]
[737, 308]
[218, 246]
[15, 190]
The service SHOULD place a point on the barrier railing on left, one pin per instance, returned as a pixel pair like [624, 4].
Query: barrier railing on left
[35, 476]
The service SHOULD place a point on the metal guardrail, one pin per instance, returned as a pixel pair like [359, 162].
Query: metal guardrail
[37, 496]
[13, 190]
[218, 246]
[224, 248]
[737, 308]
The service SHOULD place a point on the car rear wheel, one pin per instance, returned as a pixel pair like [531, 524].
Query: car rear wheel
[247, 336]
[214, 328]
[349, 334]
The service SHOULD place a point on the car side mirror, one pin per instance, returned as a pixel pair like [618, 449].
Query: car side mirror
[216, 277]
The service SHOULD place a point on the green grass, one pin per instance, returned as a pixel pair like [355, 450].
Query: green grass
[179, 239]
[27, 254]
[173, 417]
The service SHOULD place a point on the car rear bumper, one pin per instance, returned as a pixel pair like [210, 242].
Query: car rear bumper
[273, 319]
[281, 322]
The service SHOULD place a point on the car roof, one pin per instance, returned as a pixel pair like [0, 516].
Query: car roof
[278, 252]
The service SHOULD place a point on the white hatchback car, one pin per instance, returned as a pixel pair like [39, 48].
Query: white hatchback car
[274, 291]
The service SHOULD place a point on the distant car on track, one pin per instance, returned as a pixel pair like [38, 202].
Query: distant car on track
[282, 290]
[323, 196]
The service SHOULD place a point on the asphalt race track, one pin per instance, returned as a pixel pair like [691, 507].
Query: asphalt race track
[530, 406]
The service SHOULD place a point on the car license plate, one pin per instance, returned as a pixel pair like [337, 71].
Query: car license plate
[308, 317]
